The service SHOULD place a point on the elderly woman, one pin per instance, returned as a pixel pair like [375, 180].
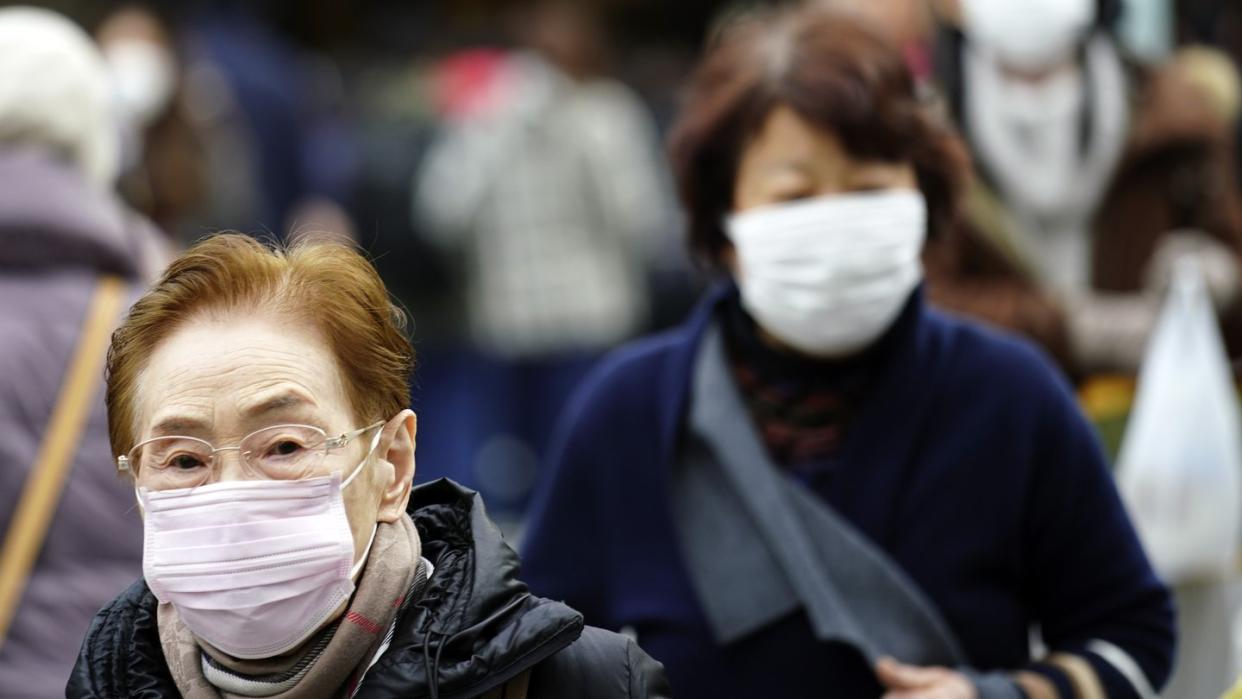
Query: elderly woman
[818, 485]
[258, 400]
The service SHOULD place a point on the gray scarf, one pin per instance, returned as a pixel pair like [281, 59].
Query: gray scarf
[759, 545]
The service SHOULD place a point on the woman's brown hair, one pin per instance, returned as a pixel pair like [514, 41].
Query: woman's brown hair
[328, 285]
[833, 70]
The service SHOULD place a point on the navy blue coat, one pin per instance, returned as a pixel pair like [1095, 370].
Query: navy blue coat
[970, 465]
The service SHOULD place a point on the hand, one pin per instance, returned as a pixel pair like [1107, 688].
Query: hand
[914, 682]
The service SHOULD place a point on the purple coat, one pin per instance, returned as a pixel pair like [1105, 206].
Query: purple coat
[57, 236]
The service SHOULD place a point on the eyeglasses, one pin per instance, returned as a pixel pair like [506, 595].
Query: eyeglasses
[279, 452]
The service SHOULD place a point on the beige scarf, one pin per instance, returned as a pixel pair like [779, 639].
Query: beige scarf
[326, 664]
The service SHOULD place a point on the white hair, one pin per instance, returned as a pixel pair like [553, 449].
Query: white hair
[55, 92]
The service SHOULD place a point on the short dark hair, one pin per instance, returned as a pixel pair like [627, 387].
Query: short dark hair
[832, 69]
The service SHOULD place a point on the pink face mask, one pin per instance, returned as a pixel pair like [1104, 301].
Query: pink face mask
[252, 567]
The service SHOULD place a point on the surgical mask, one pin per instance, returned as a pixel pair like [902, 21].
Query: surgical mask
[827, 276]
[144, 76]
[1028, 34]
[252, 567]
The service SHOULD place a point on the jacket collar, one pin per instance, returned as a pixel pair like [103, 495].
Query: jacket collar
[474, 615]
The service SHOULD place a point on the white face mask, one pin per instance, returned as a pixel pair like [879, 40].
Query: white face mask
[1028, 34]
[829, 275]
[144, 77]
[252, 567]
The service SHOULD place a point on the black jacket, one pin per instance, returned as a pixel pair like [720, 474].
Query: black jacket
[474, 627]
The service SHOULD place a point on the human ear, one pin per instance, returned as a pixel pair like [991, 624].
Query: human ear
[396, 446]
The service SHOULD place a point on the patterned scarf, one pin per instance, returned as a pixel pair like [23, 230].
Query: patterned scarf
[801, 406]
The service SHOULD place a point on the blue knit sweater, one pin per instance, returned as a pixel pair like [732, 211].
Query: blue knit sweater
[970, 465]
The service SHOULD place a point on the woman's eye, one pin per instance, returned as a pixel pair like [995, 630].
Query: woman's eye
[791, 195]
[184, 462]
[284, 448]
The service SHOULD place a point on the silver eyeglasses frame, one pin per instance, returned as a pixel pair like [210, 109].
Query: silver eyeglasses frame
[123, 464]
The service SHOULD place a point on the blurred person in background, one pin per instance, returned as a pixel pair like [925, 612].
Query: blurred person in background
[68, 248]
[264, 112]
[1096, 175]
[547, 185]
[818, 485]
[1216, 23]
[163, 172]
[1099, 175]
[258, 403]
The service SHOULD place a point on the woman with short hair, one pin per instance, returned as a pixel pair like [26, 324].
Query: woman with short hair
[818, 485]
[258, 398]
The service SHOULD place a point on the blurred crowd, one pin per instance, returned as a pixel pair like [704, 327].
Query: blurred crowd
[503, 164]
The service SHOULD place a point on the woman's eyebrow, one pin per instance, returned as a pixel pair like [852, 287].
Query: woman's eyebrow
[281, 401]
[796, 164]
[177, 424]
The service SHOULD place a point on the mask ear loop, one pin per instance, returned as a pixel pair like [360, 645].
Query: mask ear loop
[357, 568]
[366, 553]
[358, 469]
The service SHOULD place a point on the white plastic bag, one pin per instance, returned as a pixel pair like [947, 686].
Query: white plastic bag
[1180, 465]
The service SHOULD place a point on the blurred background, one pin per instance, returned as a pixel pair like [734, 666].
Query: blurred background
[433, 134]
[501, 162]
[467, 144]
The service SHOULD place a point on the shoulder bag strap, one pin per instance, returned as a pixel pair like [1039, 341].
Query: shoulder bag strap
[40, 496]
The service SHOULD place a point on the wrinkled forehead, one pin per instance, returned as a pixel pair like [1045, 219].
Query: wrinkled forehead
[230, 374]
